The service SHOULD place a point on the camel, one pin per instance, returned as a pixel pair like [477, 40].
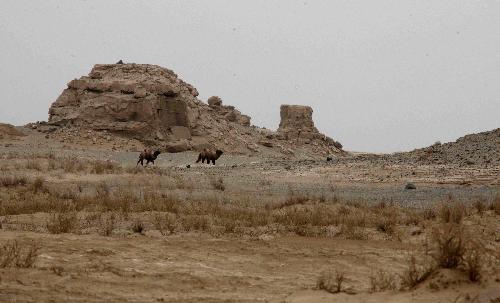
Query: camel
[209, 155]
[149, 156]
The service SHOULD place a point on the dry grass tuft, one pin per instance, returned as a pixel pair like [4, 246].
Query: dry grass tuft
[386, 222]
[353, 232]
[101, 167]
[451, 212]
[473, 262]
[331, 281]
[138, 227]
[218, 184]
[12, 254]
[449, 245]
[13, 180]
[382, 281]
[166, 223]
[38, 185]
[415, 273]
[495, 205]
[61, 222]
[107, 224]
[33, 164]
[480, 205]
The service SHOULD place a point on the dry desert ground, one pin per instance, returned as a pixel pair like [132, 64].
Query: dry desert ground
[82, 223]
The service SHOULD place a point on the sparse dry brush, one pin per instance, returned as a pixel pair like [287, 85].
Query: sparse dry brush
[166, 223]
[13, 180]
[218, 184]
[13, 254]
[415, 273]
[382, 281]
[331, 281]
[495, 205]
[452, 211]
[106, 224]
[61, 222]
[449, 245]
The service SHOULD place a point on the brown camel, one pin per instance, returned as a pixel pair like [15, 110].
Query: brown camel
[149, 156]
[209, 155]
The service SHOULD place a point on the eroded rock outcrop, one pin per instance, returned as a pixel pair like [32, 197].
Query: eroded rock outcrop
[151, 104]
[297, 125]
[137, 100]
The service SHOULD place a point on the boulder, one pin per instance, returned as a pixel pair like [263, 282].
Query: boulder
[214, 101]
[177, 146]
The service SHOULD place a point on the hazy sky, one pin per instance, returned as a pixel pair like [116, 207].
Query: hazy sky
[380, 75]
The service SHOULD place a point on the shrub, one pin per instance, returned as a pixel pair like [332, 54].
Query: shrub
[386, 224]
[218, 184]
[13, 181]
[473, 262]
[449, 245]
[59, 223]
[495, 205]
[331, 281]
[480, 205]
[12, 254]
[101, 167]
[451, 212]
[415, 274]
[382, 281]
[429, 214]
[106, 224]
[353, 232]
[38, 185]
[33, 164]
[138, 227]
[165, 223]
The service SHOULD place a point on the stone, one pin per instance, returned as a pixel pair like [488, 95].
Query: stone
[410, 186]
[177, 146]
[214, 101]
[266, 143]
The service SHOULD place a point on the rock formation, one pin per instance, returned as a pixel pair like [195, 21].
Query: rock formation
[481, 149]
[151, 104]
[297, 124]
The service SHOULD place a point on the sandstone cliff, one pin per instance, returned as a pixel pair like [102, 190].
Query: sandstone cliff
[151, 104]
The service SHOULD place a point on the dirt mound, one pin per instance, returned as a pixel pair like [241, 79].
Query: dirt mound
[151, 104]
[476, 149]
[8, 131]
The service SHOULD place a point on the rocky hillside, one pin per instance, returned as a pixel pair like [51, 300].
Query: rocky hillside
[476, 149]
[151, 104]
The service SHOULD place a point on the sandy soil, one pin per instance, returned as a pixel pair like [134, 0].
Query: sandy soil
[268, 267]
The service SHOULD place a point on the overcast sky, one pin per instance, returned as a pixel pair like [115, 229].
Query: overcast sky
[381, 76]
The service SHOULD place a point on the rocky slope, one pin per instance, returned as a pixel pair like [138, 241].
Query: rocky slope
[474, 149]
[151, 104]
[8, 131]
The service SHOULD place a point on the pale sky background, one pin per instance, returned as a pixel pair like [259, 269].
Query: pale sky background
[381, 76]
